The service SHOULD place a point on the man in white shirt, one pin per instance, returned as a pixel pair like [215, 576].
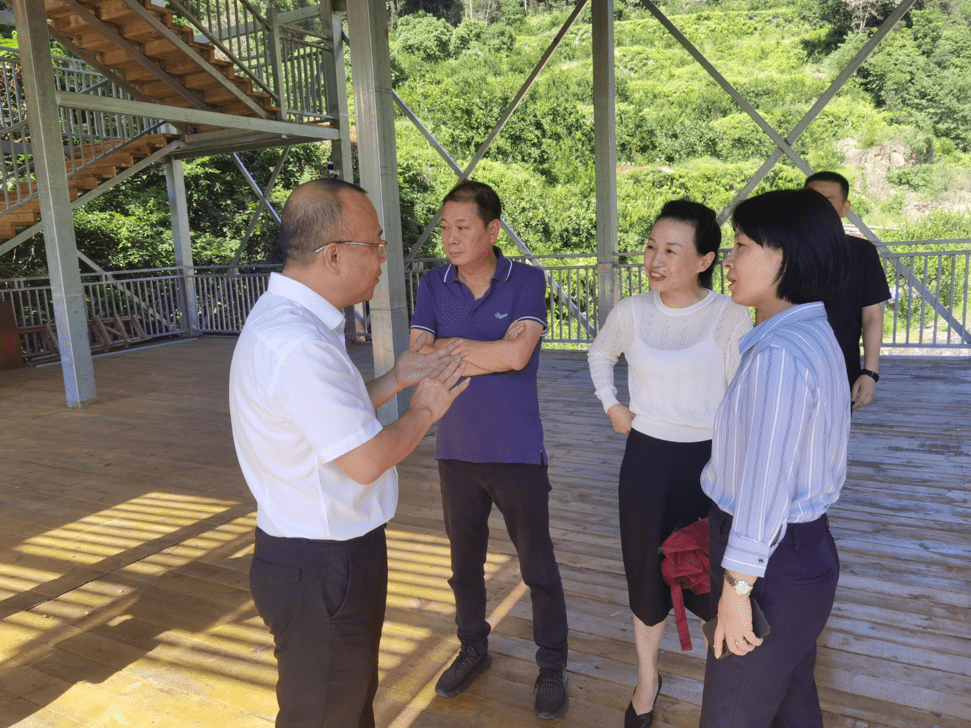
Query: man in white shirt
[318, 461]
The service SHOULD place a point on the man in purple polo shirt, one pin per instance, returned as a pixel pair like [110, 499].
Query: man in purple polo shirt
[490, 442]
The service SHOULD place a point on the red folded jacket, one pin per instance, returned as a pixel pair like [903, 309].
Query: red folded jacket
[685, 566]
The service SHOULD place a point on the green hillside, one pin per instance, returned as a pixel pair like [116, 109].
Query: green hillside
[905, 149]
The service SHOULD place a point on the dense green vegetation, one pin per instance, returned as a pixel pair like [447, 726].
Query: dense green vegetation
[678, 132]
[900, 129]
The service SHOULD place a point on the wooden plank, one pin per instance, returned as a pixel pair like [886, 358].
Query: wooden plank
[126, 533]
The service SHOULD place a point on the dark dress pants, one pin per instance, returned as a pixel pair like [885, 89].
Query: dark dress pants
[773, 686]
[324, 604]
[521, 492]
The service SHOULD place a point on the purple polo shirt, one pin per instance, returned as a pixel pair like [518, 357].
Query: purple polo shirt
[495, 420]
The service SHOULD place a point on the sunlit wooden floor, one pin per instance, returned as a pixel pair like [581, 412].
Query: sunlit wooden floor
[126, 533]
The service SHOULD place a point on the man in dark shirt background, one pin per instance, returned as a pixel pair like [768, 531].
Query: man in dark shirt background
[860, 309]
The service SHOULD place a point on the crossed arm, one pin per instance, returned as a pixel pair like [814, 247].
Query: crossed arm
[511, 352]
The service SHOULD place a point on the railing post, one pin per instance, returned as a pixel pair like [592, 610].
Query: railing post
[182, 243]
[70, 311]
[605, 154]
[276, 58]
[335, 91]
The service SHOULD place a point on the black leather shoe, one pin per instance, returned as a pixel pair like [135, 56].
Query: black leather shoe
[642, 720]
[550, 691]
[469, 663]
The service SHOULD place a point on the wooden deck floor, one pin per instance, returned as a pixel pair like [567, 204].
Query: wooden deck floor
[126, 532]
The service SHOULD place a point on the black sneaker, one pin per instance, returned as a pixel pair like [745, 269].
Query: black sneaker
[550, 691]
[467, 665]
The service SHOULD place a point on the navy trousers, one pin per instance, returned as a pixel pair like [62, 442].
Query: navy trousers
[324, 603]
[521, 492]
[773, 686]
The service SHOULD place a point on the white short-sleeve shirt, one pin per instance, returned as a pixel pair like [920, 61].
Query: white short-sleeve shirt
[297, 402]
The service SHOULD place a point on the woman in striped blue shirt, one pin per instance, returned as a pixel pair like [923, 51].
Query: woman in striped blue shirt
[778, 462]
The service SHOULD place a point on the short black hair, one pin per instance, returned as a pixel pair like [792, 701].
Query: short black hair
[486, 200]
[708, 235]
[805, 227]
[831, 177]
[313, 218]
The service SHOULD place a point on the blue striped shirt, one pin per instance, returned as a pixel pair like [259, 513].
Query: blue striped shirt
[779, 443]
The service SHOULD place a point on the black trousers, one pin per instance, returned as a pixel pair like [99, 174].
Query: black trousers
[773, 686]
[521, 492]
[324, 603]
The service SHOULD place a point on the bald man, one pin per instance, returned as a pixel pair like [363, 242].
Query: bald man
[318, 461]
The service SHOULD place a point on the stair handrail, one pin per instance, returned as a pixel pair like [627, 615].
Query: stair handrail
[212, 34]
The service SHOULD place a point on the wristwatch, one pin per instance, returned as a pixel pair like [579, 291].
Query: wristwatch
[741, 587]
[870, 373]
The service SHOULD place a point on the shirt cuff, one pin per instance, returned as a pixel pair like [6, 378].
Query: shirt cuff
[745, 555]
[607, 397]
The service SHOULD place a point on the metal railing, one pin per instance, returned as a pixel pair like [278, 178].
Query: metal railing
[286, 61]
[148, 299]
[224, 295]
[911, 319]
[238, 32]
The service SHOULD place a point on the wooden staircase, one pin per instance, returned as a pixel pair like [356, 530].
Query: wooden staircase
[188, 71]
[155, 69]
[88, 178]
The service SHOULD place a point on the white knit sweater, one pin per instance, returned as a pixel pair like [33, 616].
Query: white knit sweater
[680, 361]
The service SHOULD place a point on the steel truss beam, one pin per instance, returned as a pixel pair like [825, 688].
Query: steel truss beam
[174, 114]
[564, 297]
[513, 105]
[264, 201]
[784, 145]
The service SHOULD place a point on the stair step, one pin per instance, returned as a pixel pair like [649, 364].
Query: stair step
[119, 13]
[203, 80]
[93, 41]
[137, 31]
[21, 217]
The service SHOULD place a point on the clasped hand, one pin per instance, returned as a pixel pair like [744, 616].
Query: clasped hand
[412, 366]
[436, 373]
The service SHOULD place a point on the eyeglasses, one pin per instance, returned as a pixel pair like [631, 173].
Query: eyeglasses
[382, 246]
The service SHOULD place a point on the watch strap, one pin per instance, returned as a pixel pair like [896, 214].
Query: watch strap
[870, 373]
[735, 583]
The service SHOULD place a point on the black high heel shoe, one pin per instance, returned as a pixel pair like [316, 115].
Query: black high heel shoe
[642, 720]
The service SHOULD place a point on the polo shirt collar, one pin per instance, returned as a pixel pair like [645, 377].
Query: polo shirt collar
[796, 314]
[503, 269]
[300, 294]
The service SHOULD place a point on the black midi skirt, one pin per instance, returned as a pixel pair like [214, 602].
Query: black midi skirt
[659, 492]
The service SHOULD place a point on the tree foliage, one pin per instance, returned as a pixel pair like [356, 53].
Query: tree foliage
[459, 64]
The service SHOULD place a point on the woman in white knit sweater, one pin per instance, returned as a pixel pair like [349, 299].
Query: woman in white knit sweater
[681, 345]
